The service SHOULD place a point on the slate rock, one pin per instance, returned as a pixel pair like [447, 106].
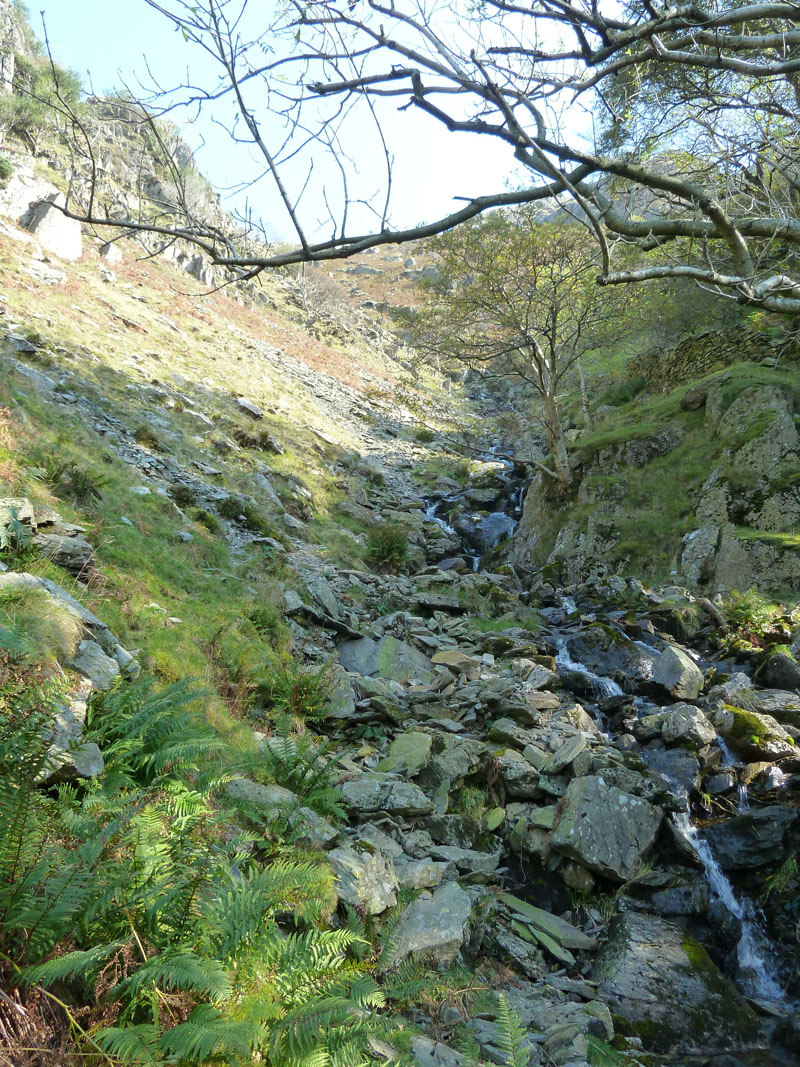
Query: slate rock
[92, 662]
[388, 658]
[677, 673]
[432, 928]
[366, 880]
[380, 792]
[607, 830]
[409, 752]
[685, 724]
[669, 990]
[754, 838]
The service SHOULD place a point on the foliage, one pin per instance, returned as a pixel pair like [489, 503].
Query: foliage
[16, 541]
[301, 762]
[387, 546]
[131, 895]
[291, 689]
[750, 615]
[38, 90]
[512, 1036]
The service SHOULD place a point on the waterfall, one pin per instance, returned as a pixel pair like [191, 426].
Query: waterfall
[604, 688]
[755, 972]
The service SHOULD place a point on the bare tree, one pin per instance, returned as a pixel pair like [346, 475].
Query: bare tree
[515, 297]
[670, 127]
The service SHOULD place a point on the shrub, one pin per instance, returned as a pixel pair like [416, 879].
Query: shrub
[6, 169]
[236, 509]
[293, 689]
[387, 546]
[424, 435]
[148, 438]
[205, 518]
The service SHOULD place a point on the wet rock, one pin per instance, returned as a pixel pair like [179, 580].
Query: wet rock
[753, 839]
[683, 900]
[607, 830]
[607, 652]
[680, 767]
[432, 928]
[364, 879]
[677, 673]
[669, 990]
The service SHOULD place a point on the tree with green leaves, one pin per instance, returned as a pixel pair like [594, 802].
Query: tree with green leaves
[516, 297]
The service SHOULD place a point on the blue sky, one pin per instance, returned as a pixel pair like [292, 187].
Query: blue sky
[106, 41]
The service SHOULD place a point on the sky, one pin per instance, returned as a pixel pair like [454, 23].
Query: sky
[106, 42]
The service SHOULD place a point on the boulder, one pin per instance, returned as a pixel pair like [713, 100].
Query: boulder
[668, 989]
[520, 778]
[308, 827]
[753, 735]
[409, 752]
[249, 408]
[388, 658]
[677, 673]
[780, 671]
[456, 661]
[366, 880]
[432, 928]
[380, 792]
[754, 838]
[74, 554]
[687, 725]
[54, 231]
[92, 662]
[605, 829]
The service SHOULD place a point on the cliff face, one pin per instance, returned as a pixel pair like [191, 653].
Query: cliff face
[12, 41]
[699, 485]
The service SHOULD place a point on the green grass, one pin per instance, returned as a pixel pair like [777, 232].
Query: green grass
[783, 539]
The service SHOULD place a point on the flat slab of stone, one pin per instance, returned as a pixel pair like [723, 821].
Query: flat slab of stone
[607, 830]
[92, 662]
[379, 792]
[53, 230]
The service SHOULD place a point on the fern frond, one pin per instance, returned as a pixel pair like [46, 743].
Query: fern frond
[78, 964]
[207, 1034]
[138, 1045]
[512, 1036]
[178, 969]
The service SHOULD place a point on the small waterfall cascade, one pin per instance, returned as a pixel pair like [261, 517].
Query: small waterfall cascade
[756, 974]
[743, 804]
[604, 688]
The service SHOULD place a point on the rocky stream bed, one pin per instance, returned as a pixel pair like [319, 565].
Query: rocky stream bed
[580, 793]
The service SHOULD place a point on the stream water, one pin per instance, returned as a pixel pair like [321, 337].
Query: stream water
[756, 973]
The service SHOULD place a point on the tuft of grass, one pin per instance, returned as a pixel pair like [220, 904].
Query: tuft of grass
[387, 547]
[52, 632]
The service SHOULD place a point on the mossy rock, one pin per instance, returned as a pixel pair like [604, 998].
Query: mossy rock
[666, 990]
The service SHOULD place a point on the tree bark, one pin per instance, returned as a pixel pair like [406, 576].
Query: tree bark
[555, 441]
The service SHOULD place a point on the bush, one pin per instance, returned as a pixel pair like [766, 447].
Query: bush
[6, 169]
[236, 509]
[147, 437]
[623, 392]
[387, 546]
[424, 435]
[294, 690]
[36, 90]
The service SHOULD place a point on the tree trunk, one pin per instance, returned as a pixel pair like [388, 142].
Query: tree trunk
[555, 441]
[587, 418]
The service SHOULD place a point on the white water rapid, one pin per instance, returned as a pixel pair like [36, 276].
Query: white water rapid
[756, 973]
